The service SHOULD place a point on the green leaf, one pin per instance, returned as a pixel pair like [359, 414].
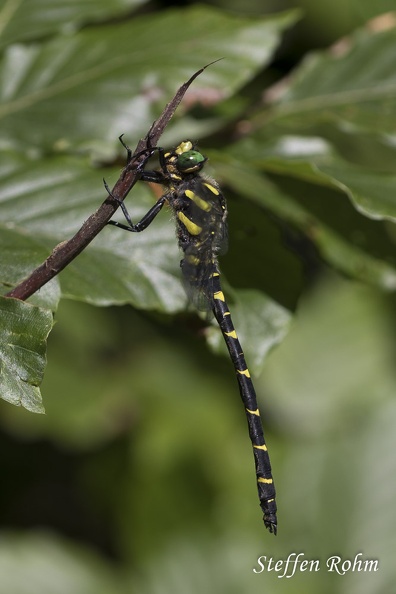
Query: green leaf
[332, 124]
[24, 331]
[20, 254]
[373, 194]
[354, 82]
[313, 159]
[84, 90]
[144, 272]
[31, 19]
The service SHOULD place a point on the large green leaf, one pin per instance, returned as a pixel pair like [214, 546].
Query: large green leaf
[373, 194]
[29, 19]
[313, 159]
[354, 82]
[92, 86]
[24, 331]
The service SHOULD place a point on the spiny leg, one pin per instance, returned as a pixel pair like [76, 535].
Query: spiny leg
[144, 222]
[148, 151]
[128, 150]
[157, 177]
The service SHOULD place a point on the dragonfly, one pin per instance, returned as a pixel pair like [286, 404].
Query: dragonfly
[200, 212]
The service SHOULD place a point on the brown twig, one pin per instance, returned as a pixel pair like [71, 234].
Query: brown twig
[66, 251]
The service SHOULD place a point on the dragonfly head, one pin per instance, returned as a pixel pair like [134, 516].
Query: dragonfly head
[188, 159]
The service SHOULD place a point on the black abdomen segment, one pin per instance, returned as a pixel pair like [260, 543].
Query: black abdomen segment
[265, 483]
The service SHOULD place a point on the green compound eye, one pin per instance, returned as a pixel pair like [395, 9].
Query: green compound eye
[190, 161]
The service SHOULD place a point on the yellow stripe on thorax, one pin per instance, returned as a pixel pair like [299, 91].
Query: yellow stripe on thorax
[263, 447]
[191, 227]
[212, 188]
[245, 372]
[202, 204]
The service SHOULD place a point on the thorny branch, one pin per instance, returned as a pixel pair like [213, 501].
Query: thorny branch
[66, 251]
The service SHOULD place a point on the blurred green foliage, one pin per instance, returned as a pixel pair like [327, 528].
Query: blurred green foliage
[139, 476]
